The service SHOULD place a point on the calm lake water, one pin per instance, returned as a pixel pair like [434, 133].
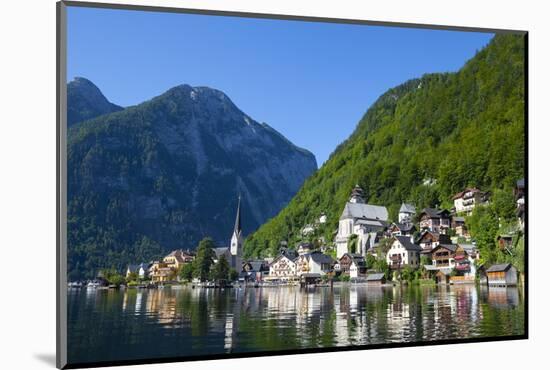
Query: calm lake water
[110, 325]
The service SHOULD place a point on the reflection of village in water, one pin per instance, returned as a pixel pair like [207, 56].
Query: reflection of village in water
[241, 320]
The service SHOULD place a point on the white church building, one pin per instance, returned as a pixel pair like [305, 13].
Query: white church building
[361, 219]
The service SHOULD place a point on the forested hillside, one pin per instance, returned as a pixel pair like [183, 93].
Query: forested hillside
[421, 142]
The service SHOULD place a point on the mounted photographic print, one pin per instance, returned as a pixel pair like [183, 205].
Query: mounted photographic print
[235, 185]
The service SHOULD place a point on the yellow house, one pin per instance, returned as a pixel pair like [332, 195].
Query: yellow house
[177, 258]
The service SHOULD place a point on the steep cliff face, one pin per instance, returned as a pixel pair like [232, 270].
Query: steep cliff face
[85, 101]
[167, 172]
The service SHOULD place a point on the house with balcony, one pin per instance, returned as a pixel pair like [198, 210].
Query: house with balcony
[314, 263]
[178, 258]
[400, 229]
[458, 224]
[160, 272]
[352, 265]
[468, 199]
[436, 220]
[403, 252]
[428, 240]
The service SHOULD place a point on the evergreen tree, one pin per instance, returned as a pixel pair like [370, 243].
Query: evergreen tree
[204, 259]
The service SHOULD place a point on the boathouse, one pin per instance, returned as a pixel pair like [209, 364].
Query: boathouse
[502, 275]
[376, 279]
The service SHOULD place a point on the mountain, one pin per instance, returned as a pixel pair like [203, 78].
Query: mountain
[421, 142]
[85, 101]
[166, 173]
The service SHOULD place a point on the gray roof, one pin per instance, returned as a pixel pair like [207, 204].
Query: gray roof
[366, 211]
[468, 247]
[319, 257]
[500, 267]
[258, 265]
[405, 241]
[434, 213]
[375, 277]
[407, 208]
[451, 247]
[220, 251]
[459, 219]
[133, 268]
[370, 223]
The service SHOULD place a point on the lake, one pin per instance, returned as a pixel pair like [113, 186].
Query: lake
[111, 325]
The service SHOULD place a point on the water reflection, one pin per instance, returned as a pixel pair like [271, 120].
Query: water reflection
[134, 324]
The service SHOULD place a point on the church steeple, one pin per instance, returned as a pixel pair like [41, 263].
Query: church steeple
[357, 195]
[237, 228]
[236, 248]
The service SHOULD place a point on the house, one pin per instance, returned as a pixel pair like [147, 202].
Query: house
[304, 248]
[437, 220]
[282, 268]
[400, 229]
[131, 269]
[255, 270]
[378, 278]
[519, 193]
[161, 273]
[502, 275]
[352, 261]
[178, 258]
[235, 250]
[403, 252]
[406, 213]
[361, 219]
[358, 268]
[315, 263]
[428, 240]
[458, 224]
[443, 256]
[505, 241]
[468, 199]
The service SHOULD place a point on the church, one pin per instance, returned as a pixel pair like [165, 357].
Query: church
[361, 219]
[234, 253]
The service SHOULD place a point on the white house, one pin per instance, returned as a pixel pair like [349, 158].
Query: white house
[406, 213]
[282, 268]
[314, 263]
[363, 220]
[403, 252]
[467, 200]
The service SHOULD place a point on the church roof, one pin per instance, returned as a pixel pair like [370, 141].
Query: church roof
[366, 211]
[220, 251]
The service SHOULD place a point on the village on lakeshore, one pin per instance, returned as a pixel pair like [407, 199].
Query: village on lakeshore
[426, 246]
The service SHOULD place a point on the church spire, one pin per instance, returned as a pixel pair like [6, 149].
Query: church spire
[237, 229]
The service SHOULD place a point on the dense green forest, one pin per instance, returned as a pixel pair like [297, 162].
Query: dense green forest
[422, 142]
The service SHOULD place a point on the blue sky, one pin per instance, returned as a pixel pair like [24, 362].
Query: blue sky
[310, 81]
